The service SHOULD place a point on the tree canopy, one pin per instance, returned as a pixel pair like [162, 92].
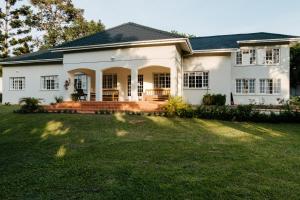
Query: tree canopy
[38, 24]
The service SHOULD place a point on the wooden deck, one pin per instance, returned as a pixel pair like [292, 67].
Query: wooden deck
[91, 107]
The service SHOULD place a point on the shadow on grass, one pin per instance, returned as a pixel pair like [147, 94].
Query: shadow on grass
[122, 156]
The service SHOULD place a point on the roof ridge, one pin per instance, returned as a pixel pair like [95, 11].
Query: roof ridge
[154, 29]
[241, 34]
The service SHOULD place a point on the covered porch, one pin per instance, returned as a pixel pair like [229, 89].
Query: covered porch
[123, 84]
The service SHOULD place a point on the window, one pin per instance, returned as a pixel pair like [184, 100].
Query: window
[239, 58]
[162, 80]
[110, 81]
[17, 83]
[246, 57]
[49, 83]
[270, 86]
[129, 86]
[195, 80]
[140, 85]
[272, 56]
[245, 86]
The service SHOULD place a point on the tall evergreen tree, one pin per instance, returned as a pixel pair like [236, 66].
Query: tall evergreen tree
[16, 22]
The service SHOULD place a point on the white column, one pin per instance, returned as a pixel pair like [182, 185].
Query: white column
[98, 83]
[174, 79]
[134, 84]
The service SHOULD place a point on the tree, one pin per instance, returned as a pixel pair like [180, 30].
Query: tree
[81, 27]
[61, 21]
[295, 65]
[186, 35]
[16, 22]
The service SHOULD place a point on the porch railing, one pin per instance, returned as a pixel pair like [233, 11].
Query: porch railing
[157, 94]
[110, 95]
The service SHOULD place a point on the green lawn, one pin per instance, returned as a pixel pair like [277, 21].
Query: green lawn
[62, 156]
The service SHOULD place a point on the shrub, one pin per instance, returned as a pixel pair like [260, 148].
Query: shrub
[74, 97]
[295, 101]
[173, 105]
[59, 99]
[215, 99]
[30, 105]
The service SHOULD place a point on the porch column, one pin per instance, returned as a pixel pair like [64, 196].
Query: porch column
[134, 84]
[98, 83]
[174, 78]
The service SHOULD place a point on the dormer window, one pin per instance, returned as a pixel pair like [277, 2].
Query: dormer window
[246, 57]
[272, 56]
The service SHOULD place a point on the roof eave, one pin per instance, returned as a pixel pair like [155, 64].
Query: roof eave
[124, 44]
[31, 61]
[268, 41]
[227, 50]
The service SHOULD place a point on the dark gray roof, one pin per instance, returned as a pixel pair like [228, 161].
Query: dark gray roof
[129, 32]
[230, 41]
[39, 55]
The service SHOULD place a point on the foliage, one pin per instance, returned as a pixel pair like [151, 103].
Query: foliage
[30, 105]
[62, 21]
[295, 100]
[75, 96]
[81, 28]
[59, 99]
[239, 113]
[185, 35]
[16, 22]
[295, 65]
[174, 105]
[214, 99]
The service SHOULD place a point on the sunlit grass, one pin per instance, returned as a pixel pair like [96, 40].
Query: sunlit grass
[63, 156]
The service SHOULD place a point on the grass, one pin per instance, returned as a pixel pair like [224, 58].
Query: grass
[62, 156]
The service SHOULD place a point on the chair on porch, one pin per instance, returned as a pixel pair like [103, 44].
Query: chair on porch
[81, 95]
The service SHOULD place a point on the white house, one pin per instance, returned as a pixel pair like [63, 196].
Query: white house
[132, 62]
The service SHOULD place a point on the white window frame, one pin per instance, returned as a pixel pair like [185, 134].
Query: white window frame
[17, 83]
[113, 79]
[271, 59]
[192, 80]
[243, 86]
[161, 80]
[246, 57]
[46, 81]
[269, 86]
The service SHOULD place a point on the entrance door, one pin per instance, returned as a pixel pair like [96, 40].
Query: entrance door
[140, 85]
[81, 82]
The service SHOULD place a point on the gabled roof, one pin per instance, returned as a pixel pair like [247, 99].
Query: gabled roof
[42, 55]
[231, 41]
[129, 32]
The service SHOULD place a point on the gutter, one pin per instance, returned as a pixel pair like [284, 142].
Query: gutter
[31, 61]
[268, 40]
[230, 50]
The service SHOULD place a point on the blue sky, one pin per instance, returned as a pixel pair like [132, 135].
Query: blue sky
[199, 17]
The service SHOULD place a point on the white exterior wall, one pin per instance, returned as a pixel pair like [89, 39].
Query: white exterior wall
[280, 71]
[32, 76]
[148, 60]
[1, 88]
[219, 68]
[134, 59]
